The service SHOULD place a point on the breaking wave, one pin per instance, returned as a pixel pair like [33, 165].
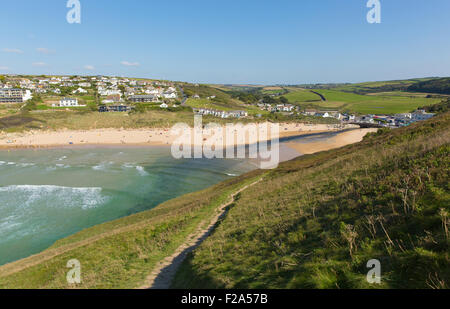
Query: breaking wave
[52, 196]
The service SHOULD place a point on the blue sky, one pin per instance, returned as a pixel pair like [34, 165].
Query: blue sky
[233, 41]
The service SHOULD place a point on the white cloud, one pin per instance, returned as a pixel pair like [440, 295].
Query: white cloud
[44, 50]
[39, 64]
[3, 68]
[89, 67]
[130, 64]
[12, 50]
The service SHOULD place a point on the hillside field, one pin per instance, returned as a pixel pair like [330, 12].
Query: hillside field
[376, 103]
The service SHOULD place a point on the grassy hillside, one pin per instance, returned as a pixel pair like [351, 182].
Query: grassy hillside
[441, 86]
[382, 86]
[302, 96]
[316, 221]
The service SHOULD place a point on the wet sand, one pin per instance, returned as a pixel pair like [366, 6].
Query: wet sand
[340, 140]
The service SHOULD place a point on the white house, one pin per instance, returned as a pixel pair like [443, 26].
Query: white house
[170, 95]
[109, 92]
[421, 115]
[27, 95]
[66, 102]
[322, 114]
[79, 90]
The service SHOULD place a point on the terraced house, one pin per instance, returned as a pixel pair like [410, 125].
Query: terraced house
[14, 95]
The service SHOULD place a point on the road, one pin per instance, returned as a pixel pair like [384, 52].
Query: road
[183, 102]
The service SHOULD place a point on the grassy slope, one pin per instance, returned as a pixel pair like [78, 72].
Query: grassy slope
[302, 96]
[316, 221]
[382, 86]
[121, 253]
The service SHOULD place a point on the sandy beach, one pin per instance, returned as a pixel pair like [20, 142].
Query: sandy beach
[340, 140]
[140, 137]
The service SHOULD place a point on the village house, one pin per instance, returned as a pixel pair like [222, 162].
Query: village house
[153, 91]
[220, 114]
[107, 92]
[322, 114]
[142, 98]
[79, 90]
[115, 108]
[169, 95]
[310, 112]
[421, 115]
[68, 102]
[14, 95]
[116, 98]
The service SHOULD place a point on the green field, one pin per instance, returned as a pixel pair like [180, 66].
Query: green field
[374, 104]
[302, 96]
[377, 103]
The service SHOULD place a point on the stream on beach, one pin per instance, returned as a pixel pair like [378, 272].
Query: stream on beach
[49, 194]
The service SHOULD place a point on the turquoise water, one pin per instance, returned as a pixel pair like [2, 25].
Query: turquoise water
[46, 195]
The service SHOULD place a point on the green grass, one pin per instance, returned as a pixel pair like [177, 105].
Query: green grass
[364, 98]
[205, 103]
[381, 86]
[316, 221]
[302, 96]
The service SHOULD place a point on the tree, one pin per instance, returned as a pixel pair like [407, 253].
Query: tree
[122, 89]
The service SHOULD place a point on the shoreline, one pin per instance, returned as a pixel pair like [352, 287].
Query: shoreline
[135, 137]
[342, 139]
